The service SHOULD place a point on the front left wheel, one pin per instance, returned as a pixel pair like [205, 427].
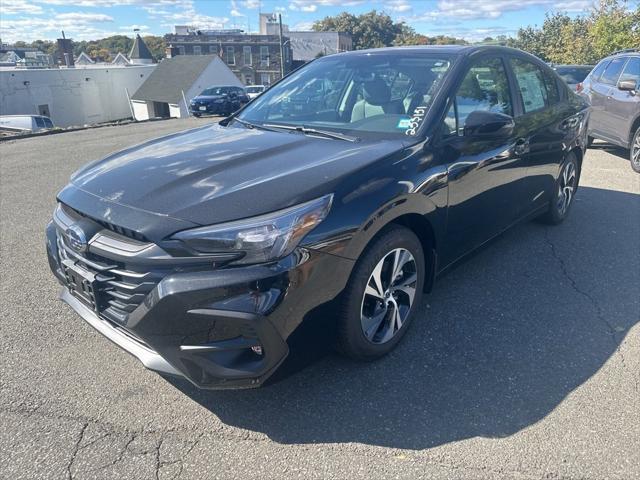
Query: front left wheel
[382, 295]
[634, 154]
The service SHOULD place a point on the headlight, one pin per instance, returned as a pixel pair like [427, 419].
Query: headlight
[260, 239]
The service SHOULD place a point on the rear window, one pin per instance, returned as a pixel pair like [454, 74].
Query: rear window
[573, 75]
[533, 84]
[613, 70]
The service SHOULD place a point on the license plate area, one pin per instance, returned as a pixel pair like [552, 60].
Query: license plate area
[81, 283]
[203, 109]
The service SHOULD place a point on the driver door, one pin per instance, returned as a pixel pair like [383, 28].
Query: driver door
[483, 172]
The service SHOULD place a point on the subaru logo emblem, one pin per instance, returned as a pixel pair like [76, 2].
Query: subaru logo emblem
[76, 238]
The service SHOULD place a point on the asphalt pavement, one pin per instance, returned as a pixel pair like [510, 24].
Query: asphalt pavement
[524, 362]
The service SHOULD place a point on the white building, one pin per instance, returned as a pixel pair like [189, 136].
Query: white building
[71, 96]
[177, 80]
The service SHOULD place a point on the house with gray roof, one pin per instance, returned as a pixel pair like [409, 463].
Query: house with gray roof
[175, 81]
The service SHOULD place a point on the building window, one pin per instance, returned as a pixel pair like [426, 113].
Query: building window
[197, 50]
[264, 56]
[246, 52]
[231, 56]
[180, 50]
[265, 79]
[212, 49]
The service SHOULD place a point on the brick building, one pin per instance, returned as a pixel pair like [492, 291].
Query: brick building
[255, 59]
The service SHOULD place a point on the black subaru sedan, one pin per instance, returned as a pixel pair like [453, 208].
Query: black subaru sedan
[201, 252]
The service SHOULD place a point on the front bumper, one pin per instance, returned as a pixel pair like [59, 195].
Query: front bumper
[224, 328]
[210, 108]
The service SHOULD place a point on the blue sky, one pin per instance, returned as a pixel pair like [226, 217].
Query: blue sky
[87, 19]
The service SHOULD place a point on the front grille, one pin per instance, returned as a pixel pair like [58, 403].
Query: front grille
[118, 290]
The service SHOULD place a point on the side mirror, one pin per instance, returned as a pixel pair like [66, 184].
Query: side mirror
[628, 86]
[487, 125]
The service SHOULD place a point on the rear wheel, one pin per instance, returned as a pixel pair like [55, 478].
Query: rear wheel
[634, 154]
[565, 191]
[382, 295]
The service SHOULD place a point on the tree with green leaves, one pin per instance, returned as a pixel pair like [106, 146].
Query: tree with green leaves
[374, 30]
[583, 39]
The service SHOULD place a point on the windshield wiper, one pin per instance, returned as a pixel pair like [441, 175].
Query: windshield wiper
[253, 125]
[313, 131]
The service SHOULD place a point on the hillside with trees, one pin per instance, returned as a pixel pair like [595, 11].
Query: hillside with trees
[104, 49]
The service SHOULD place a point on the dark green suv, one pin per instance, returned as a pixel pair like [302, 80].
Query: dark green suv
[613, 89]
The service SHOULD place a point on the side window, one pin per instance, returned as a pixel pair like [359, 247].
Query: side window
[40, 122]
[485, 87]
[595, 74]
[532, 85]
[631, 70]
[612, 73]
[551, 84]
[47, 123]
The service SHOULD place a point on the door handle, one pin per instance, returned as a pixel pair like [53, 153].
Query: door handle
[521, 146]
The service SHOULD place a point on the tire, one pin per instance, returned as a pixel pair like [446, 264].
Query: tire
[634, 151]
[367, 303]
[197, 115]
[564, 192]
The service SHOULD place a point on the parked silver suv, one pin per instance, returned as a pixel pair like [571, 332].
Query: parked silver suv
[613, 89]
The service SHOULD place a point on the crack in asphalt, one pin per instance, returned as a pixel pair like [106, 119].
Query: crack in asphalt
[598, 309]
[76, 449]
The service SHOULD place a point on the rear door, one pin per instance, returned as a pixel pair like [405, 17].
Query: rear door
[623, 107]
[540, 124]
[483, 174]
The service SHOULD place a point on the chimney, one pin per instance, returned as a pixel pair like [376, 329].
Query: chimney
[171, 51]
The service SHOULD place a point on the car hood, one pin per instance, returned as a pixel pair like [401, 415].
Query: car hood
[215, 174]
[207, 98]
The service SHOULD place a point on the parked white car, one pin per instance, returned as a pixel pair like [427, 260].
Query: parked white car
[254, 90]
[25, 123]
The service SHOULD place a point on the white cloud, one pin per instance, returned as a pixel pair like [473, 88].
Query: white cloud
[131, 28]
[11, 7]
[302, 27]
[397, 6]
[83, 18]
[302, 6]
[234, 12]
[252, 4]
[492, 9]
[310, 6]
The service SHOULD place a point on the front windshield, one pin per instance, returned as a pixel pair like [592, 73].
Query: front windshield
[214, 91]
[253, 89]
[386, 93]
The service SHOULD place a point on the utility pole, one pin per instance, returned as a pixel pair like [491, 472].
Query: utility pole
[281, 46]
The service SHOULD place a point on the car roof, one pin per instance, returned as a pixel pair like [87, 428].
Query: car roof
[450, 49]
[571, 66]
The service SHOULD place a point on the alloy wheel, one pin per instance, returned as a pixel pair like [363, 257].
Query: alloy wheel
[389, 295]
[635, 151]
[567, 187]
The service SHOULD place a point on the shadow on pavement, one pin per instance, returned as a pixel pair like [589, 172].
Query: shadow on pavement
[503, 340]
